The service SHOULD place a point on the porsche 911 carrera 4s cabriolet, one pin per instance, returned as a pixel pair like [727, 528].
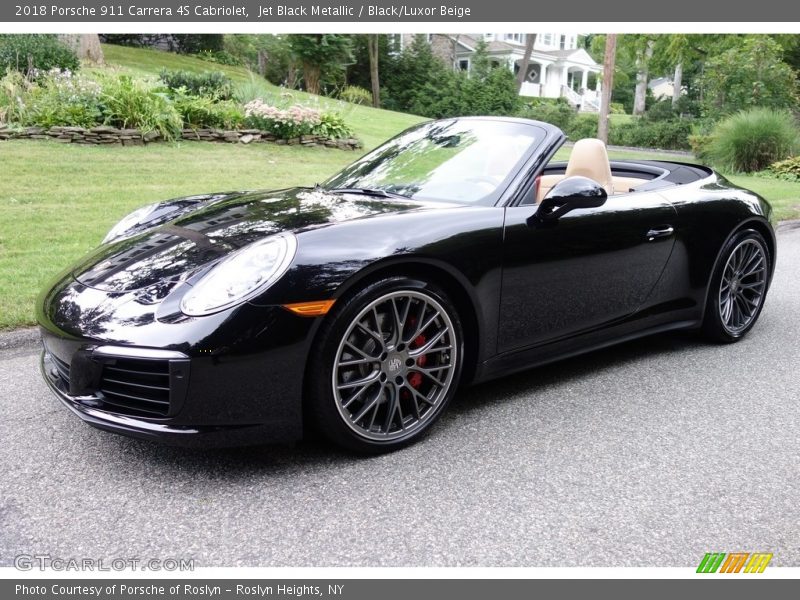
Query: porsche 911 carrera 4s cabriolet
[454, 253]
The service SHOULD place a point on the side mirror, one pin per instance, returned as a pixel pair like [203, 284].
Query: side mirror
[570, 194]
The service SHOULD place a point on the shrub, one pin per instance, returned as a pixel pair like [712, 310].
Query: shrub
[220, 57]
[199, 111]
[786, 169]
[193, 43]
[285, 124]
[700, 144]
[559, 114]
[583, 126]
[332, 125]
[294, 121]
[667, 135]
[14, 91]
[208, 83]
[40, 52]
[356, 95]
[661, 110]
[128, 102]
[752, 140]
[617, 108]
[62, 98]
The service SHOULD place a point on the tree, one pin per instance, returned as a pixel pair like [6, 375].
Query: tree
[267, 54]
[530, 41]
[749, 74]
[643, 55]
[609, 60]
[85, 45]
[486, 90]
[320, 55]
[373, 48]
[407, 74]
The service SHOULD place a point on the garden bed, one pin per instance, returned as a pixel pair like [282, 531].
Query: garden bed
[106, 134]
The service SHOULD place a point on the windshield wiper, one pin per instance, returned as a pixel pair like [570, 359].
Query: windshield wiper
[368, 192]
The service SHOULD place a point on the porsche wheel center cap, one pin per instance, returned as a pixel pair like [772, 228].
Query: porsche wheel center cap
[394, 364]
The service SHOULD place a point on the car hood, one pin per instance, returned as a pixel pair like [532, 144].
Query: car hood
[191, 241]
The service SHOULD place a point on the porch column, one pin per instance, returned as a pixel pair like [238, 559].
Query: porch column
[597, 83]
[542, 74]
[585, 80]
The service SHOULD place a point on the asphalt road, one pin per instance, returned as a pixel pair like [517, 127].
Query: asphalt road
[649, 454]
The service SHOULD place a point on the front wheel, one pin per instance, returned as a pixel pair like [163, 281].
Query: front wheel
[738, 288]
[387, 364]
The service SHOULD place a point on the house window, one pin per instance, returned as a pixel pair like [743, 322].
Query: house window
[548, 39]
[429, 37]
[563, 42]
[463, 64]
[515, 38]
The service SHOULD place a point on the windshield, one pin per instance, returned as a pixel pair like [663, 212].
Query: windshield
[460, 160]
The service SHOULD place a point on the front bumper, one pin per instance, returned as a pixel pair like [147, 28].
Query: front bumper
[243, 393]
[159, 430]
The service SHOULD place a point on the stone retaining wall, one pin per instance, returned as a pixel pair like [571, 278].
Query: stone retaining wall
[104, 134]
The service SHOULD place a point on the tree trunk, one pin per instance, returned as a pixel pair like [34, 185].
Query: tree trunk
[642, 64]
[311, 75]
[291, 76]
[530, 40]
[609, 61]
[86, 46]
[677, 82]
[262, 63]
[373, 46]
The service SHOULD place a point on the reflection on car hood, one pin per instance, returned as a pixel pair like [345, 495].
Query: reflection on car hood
[174, 250]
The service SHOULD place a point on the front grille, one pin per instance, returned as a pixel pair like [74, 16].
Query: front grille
[62, 368]
[136, 386]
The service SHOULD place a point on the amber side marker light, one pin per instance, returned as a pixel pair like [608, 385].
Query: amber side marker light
[310, 309]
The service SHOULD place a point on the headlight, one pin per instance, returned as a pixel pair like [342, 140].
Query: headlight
[241, 275]
[135, 218]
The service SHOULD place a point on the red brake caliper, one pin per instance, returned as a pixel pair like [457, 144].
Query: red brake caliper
[415, 378]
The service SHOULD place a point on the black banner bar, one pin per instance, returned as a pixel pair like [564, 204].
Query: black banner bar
[383, 589]
[300, 11]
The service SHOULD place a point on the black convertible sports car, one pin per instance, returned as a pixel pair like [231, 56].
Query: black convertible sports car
[454, 253]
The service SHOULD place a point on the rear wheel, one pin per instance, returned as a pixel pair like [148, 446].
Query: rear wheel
[738, 288]
[388, 363]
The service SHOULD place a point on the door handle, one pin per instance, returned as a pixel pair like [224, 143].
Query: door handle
[659, 232]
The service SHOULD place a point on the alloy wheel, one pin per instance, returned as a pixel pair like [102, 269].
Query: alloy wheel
[743, 285]
[395, 365]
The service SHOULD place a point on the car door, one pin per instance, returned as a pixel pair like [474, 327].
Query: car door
[583, 270]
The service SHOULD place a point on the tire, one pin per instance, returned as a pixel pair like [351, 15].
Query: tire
[738, 288]
[385, 365]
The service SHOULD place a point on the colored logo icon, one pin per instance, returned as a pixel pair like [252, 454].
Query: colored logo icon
[734, 562]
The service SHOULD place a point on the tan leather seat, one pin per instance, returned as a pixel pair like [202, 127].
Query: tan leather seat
[590, 159]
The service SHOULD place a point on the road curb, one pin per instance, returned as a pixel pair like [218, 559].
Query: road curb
[27, 337]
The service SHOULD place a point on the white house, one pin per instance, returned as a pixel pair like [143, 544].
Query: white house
[662, 87]
[557, 68]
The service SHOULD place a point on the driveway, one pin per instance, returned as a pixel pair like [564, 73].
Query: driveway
[649, 454]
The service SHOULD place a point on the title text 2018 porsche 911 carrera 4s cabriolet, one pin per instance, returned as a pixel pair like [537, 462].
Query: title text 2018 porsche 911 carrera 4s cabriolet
[456, 252]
